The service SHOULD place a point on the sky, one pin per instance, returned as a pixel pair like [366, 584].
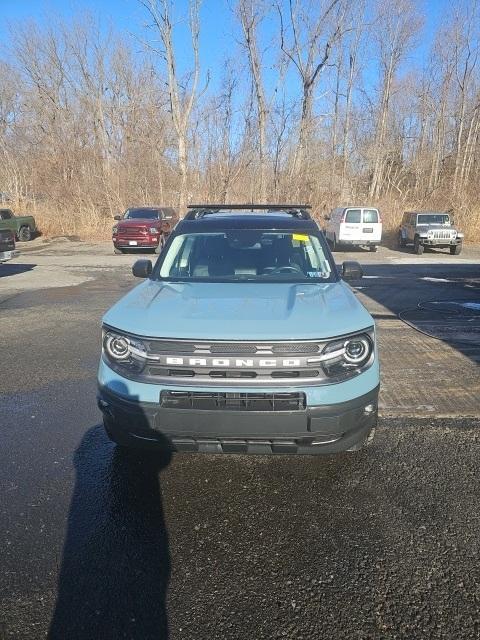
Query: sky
[219, 31]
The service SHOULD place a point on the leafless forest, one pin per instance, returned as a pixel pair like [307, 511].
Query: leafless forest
[324, 101]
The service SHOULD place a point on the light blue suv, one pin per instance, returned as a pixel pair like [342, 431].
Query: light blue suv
[243, 338]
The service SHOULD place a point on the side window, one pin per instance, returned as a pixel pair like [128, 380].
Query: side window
[413, 220]
[5, 214]
[353, 216]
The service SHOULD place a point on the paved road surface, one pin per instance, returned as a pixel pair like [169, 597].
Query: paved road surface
[95, 544]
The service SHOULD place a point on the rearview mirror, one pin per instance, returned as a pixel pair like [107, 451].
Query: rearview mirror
[117, 217]
[142, 269]
[351, 270]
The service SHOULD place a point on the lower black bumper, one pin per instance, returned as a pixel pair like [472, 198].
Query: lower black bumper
[315, 430]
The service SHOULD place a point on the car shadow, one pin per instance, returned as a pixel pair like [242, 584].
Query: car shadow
[12, 269]
[442, 300]
[115, 567]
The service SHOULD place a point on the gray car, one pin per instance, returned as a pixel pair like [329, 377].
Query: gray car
[429, 229]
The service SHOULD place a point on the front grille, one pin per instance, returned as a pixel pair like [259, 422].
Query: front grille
[444, 234]
[212, 401]
[190, 347]
[129, 231]
[214, 361]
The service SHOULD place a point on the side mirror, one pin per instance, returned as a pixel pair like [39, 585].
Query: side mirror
[351, 270]
[117, 217]
[142, 269]
[326, 217]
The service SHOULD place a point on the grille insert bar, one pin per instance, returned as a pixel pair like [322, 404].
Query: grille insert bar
[211, 401]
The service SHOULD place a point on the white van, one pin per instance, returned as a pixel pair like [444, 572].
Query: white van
[357, 226]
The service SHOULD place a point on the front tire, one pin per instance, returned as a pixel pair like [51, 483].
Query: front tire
[456, 250]
[417, 247]
[24, 234]
[117, 251]
[373, 248]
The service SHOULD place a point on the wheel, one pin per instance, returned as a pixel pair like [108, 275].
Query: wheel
[117, 250]
[373, 248]
[401, 241]
[456, 250]
[24, 234]
[417, 247]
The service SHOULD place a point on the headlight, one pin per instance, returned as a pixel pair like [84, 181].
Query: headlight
[346, 357]
[153, 230]
[115, 229]
[357, 350]
[124, 351]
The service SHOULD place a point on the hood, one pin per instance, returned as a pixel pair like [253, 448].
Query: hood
[432, 226]
[239, 311]
[138, 222]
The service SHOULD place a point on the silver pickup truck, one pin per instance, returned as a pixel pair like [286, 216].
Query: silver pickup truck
[429, 229]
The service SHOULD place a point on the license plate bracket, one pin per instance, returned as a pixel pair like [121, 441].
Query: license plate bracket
[132, 243]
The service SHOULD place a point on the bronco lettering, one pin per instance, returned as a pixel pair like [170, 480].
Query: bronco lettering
[227, 362]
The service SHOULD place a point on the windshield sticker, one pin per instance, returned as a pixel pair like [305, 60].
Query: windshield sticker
[301, 237]
[315, 274]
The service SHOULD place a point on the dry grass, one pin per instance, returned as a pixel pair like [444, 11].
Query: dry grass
[89, 223]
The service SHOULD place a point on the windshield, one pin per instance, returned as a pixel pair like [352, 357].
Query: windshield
[433, 218]
[246, 255]
[144, 214]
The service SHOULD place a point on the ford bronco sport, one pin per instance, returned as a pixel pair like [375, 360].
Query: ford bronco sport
[243, 338]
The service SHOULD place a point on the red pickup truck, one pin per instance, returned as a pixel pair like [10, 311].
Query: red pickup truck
[143, 228]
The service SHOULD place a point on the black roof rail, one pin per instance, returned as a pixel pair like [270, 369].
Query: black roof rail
[200, 210]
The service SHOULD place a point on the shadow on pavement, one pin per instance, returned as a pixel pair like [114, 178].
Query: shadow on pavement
[116, 563]
[9, 269]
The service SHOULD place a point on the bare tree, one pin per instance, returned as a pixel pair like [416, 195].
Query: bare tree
[182, 97]
[397, 23]
[312, 37]
[250, 13]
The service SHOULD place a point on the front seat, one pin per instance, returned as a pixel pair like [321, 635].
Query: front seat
[219, 260]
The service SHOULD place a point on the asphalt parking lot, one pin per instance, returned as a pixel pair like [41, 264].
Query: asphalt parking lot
[382, 544]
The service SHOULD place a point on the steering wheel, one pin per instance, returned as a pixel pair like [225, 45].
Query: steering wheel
[287, 269]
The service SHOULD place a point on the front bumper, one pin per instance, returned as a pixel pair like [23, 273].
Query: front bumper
[8, 255]
[328, 428]
[440, 242]
[359, 243]
[140, 243]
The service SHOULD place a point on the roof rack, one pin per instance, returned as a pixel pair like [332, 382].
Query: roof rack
[200, 210]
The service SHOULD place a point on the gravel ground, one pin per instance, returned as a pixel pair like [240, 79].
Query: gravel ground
[96, 544]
